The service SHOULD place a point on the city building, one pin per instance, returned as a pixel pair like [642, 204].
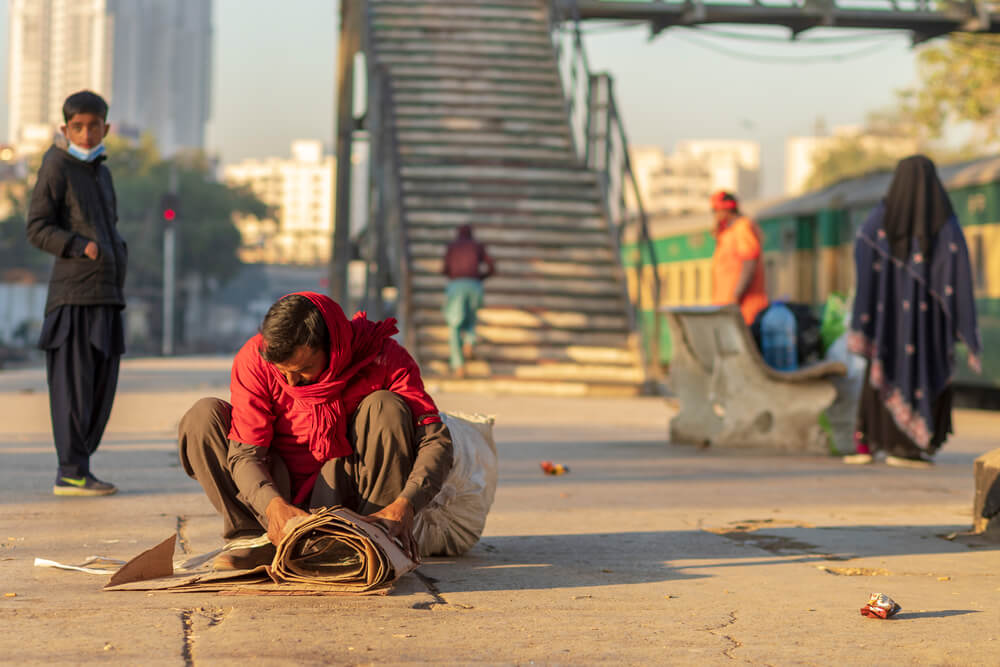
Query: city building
[300, 192]
[682, 182]
[151, 59]
[801, 152]
[161, 74]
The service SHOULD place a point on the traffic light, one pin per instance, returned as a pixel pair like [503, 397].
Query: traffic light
[168, 207]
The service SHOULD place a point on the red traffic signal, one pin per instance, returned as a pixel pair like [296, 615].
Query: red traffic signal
[169, 214]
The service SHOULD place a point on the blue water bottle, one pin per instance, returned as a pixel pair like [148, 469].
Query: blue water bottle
[778, 338]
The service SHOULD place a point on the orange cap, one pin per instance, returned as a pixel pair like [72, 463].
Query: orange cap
[723, 201]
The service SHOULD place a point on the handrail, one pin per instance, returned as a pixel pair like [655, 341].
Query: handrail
[599, 138]
[389, 245]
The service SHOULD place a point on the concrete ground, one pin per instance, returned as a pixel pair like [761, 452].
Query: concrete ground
[644, 553]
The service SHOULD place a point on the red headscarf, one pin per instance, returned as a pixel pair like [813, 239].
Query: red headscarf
[353, 346]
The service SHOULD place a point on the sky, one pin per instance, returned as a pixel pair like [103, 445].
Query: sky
[273, 81]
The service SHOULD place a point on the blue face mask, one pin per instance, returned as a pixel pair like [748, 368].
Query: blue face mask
[84, 154]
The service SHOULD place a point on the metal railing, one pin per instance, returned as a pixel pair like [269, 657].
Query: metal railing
[599, 137]
[385, 247]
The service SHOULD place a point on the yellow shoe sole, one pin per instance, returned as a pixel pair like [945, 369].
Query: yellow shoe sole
[80, 492]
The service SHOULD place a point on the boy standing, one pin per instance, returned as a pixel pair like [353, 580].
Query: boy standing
[73, 216]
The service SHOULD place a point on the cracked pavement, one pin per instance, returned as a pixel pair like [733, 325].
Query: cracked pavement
[644, 553]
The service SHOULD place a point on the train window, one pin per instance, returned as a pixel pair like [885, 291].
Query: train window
[697, 284]
[978, 262]
[681, 297]
[788, 240]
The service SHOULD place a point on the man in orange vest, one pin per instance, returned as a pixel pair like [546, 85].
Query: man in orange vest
[737, 269]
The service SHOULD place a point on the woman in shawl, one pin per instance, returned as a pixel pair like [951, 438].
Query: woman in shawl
[914, 302]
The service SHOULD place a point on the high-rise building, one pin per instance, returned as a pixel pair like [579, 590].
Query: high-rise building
[300, 192]
[682, 182]
[56, 47]
[161, 78]
[151, 59]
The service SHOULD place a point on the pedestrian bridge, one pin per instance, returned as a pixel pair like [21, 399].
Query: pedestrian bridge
[487, 113]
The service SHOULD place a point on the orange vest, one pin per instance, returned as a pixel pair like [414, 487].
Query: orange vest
[738, 242]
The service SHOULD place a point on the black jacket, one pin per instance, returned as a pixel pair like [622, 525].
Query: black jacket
[74, 202]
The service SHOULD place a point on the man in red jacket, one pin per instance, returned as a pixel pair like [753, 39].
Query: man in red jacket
[324, 412]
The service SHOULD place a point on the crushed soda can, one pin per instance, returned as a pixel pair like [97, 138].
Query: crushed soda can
[880, 605]
[550, 468]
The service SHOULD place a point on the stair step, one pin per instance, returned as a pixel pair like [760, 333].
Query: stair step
[533, 4]
[557, 191]
[404, 71]
[539, 89]
[529, 270]
[509, 336]
[507, 51]
[500, 174]
[609, 304]
[501, 385]
[617, 355]
[503, 236]
[452, 219]
[540, 37]
[529, 288]
[462, 113]
[548, 154]
[542, 319]
[525, 127]
[594, 256]
[411, 137]
[470, 64]
[494, 205]
[449, 12]
[548, 371]
[478, 98]
[498, 25]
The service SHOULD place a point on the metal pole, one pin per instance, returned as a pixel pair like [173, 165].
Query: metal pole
[347, 48]
[169, 269]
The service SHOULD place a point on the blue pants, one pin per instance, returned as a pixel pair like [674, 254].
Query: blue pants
[464, 297]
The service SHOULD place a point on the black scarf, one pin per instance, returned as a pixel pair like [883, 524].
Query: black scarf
[916, 206]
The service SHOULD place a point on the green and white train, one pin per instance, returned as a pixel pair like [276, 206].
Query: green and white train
[808, 250]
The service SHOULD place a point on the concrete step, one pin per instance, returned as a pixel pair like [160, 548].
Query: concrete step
[529, 288]
[531, 4]
[492, 236]
[528, 269]
[509, 336]
[582, 354]
[538, 38]
[479, 98]
[555, 191]
[411, 153]
[544, 372]
[607, 304]
[404, 71]
[478, 86]
[507, 51]
[470, 64]
[461, 137]
[452, 219]
[508, 24]
[539, 319]
[449, 12]
[500, 174]
[494, 205]
[502, 253]
[505, 385]
[524, 127]
[463, 112]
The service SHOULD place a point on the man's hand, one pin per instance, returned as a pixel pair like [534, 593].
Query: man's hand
[397, 518]
[279, 512]
[91, 250]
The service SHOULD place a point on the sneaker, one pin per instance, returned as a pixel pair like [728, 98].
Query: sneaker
[83, 486]
[244, 559]
[917, 462]
[858, 459]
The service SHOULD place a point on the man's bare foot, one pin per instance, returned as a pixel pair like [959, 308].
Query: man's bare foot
[467, 351]
[459, 372]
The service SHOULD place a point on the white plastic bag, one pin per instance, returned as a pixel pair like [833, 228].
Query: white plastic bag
[843, 413]
[454, 520]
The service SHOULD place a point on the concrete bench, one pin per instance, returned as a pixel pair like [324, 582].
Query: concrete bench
[729, 397]
[986, 503]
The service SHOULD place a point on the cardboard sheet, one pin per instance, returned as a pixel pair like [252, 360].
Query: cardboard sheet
[334, 551]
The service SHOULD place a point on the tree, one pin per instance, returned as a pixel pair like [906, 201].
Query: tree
[958, 84]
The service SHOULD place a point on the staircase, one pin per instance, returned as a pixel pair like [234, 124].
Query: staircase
[483, 139]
